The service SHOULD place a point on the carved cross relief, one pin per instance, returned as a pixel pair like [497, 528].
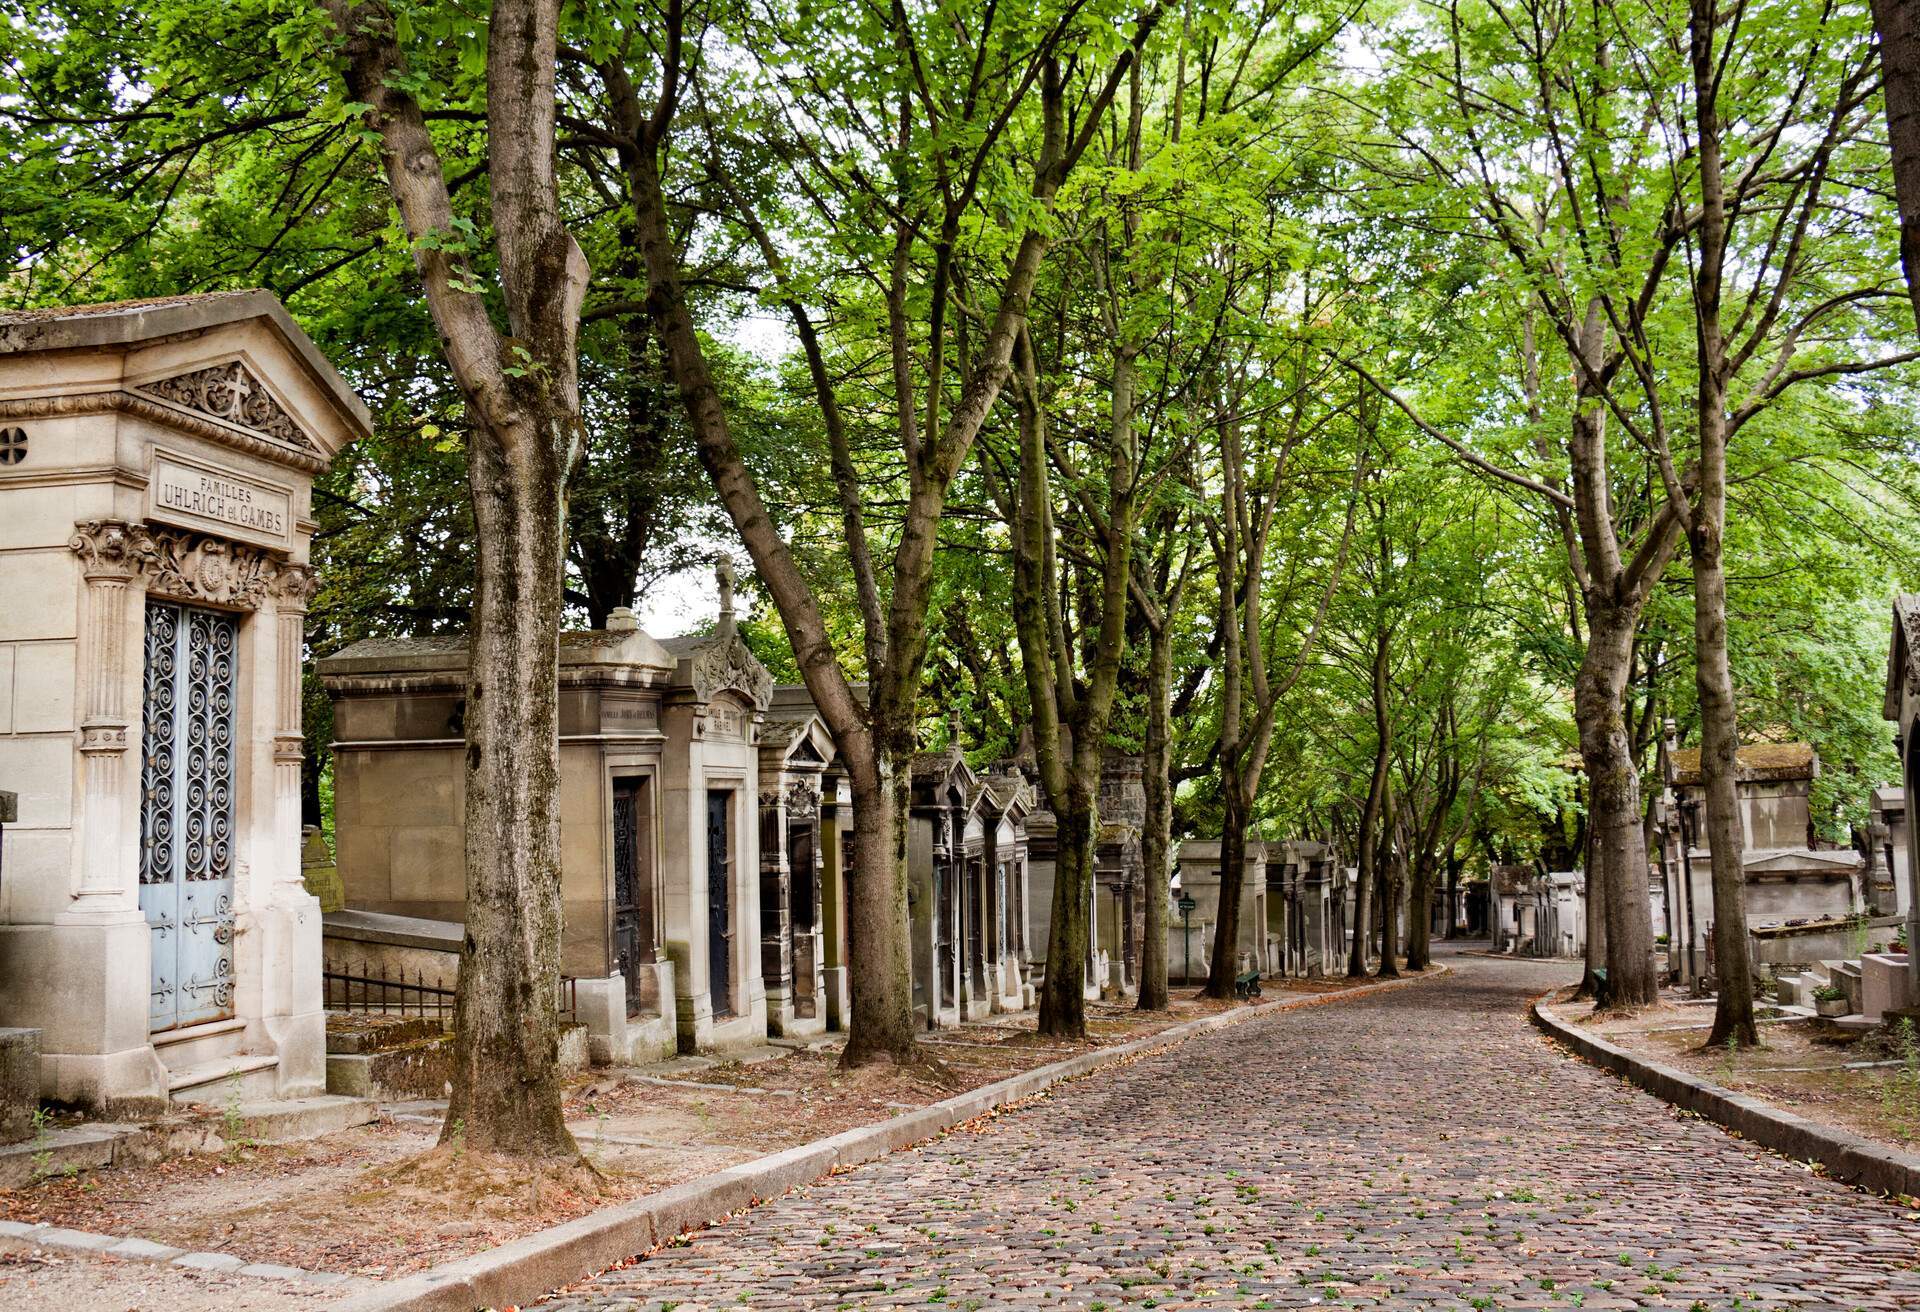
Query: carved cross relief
[232, 393]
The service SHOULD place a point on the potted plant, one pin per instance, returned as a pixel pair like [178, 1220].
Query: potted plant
[1830, 1000]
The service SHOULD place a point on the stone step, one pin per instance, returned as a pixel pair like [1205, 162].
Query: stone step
[287, 1120]
[359, 1035]
[242, 1077]
[197, 1045]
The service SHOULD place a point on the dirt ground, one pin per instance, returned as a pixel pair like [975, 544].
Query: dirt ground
[1867, 1083]
[32, 1280]
[359, 1203]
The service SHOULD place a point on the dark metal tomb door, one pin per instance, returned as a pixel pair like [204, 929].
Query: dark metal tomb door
[802, 925]
[632, 896]
[187, 812]
[719, 897]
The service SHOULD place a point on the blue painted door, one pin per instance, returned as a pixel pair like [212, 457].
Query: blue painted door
[187, 812]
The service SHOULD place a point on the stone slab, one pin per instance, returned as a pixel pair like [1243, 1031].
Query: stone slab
[145, 1250]
[271, 1271]
[288, 1120]
[19, 1083]
[60, 1237]
[209, 1261]
[57, 1151]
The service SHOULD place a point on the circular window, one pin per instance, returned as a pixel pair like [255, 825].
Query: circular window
[13, 445]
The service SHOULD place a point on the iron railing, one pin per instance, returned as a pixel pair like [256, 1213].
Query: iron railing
[378, 990]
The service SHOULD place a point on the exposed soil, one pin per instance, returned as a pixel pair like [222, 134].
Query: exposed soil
[43, 1280]
[379, 1202]
[1807, 1067]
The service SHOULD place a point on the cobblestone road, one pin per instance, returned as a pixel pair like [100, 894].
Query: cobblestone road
[1423, 1148]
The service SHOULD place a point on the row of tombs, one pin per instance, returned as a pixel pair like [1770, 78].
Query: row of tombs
[157, 928]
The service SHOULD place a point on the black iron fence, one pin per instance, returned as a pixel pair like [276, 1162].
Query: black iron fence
[380, 990]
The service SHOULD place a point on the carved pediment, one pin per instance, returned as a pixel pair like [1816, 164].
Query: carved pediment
[231, 392]
[726, 664]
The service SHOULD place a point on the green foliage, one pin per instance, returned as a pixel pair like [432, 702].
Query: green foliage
[1312, 198]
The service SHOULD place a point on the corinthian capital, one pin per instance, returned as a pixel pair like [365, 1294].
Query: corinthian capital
[295, 587]
[108, 548]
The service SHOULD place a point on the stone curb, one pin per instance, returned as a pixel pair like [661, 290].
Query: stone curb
[527, 1268]
[1850, 1158]
[142, 1250]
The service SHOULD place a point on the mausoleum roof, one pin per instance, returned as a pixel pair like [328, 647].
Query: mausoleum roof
[448, 651]
[124, 324]
[1756, 762]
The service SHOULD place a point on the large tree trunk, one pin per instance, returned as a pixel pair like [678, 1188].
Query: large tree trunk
[1156, 839]
[1063, 998]
[524, 445]
[1713, 675]
[1420, 914]
[506, 1028]
[1370, 814]
[1618, 910]
[1733, 1008]
[879, 948]
[1898, 22]
[1223, 968]
[879, 952]
[1392, 886]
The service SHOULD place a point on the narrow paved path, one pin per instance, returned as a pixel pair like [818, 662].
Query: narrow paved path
[1421, 1148]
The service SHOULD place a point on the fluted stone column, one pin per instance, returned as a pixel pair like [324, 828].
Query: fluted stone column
[108, 875]
[293, 591]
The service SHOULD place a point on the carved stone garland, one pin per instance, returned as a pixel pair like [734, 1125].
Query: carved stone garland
[188, 566]
[232, 393]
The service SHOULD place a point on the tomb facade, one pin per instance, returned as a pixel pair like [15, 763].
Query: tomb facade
[1790, 875]
[1902, 706]
[661, 868]
[156, 469]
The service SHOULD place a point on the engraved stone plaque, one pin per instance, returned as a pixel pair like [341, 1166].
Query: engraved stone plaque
[620, 715]
[220, 501]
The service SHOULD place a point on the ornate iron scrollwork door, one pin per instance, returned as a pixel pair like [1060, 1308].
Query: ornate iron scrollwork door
[720, 900]
[187, 812]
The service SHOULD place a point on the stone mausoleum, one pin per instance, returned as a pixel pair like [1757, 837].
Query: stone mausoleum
[662, 874]
[156, 464]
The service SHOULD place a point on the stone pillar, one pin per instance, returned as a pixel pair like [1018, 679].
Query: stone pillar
[107, 877]
[293, 592]
[775, 888]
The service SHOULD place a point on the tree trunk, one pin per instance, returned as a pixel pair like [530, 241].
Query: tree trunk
[524, 446]
[1619, 916]
[505, 1081]
[1898, 22]
[1733, 1008]
[1063, 998]
[879, 947]
[1223, 968]
[1156, 839]
[1420, 914]
[1706, 530]
[1391, 888]
[1370, 814]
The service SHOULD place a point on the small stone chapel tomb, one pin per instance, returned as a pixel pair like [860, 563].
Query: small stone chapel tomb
[156, 462]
